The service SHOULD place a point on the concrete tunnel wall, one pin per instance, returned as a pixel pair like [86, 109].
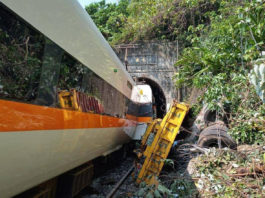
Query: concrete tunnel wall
[154, 61]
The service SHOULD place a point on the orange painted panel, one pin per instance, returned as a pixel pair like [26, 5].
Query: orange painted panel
[144, 119]
[16, 116]
[131, 117]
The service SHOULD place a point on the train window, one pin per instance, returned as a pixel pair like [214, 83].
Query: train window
[51, 64]
[71, 74]
[30, 63]
[33, 69]
[21, 51]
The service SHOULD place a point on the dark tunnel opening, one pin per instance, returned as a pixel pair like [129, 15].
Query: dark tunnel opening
[158, 94]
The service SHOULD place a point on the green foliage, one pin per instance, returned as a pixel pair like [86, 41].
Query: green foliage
[229, 173]
[169, 162]
[219, 59]
[19, 60]
[108, 17]
[151, 191]
[183, 188]
[164, 19]
[130, 21]
[248, 125]
[196, 108]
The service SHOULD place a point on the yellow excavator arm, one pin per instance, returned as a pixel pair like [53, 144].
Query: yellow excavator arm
[157, 142]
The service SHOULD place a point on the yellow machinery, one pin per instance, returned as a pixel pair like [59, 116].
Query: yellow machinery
[79, 101]
[157, 142]
[68, 100]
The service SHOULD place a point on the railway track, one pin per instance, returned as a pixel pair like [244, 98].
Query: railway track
[115, 182]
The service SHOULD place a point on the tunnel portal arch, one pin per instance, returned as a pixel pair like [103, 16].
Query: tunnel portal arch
[153, 62]
[158, 94]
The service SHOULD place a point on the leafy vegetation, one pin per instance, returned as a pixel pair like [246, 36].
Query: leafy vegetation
[220, 59]
[149, 19]
[212, 173]
[228, 173]
[109, 18]
[164, 19]
[19, 59]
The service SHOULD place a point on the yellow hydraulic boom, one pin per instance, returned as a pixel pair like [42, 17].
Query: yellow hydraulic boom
[157, 142]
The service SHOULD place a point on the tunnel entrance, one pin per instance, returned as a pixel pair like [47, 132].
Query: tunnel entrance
[158, 95]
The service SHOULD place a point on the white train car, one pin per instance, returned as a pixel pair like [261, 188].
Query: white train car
[47, 46]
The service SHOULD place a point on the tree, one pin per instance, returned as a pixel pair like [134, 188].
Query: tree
[109, 18]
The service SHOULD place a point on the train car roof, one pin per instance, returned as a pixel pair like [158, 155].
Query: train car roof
[67, 24]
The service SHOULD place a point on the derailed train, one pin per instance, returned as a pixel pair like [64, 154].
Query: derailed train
[65, 98]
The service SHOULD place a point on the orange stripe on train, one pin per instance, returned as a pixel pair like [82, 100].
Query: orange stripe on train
[144, 119]
[17, 116]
